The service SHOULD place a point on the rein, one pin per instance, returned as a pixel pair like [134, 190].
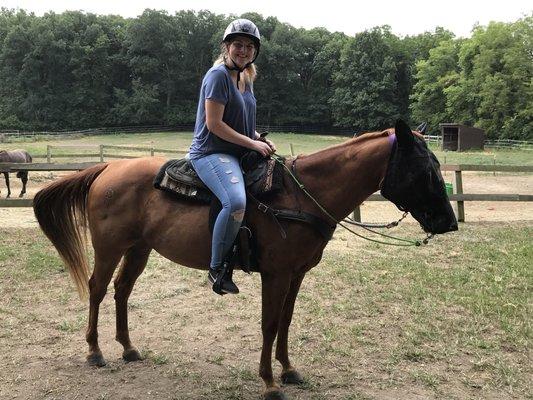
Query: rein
[404, 242]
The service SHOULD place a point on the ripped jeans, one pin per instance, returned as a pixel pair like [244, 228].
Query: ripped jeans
[222, 174]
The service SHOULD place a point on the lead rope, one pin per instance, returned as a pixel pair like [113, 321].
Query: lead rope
[390, 225]
[406, 242]
[393, 224]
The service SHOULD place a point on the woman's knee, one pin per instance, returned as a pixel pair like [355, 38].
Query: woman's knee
[238, 215]
[237, 207]
[237, 202]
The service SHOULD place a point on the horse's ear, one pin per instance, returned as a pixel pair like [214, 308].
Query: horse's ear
[422, 128]
[404, 135]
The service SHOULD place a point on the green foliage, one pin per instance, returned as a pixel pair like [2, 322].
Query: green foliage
[366, 85]
[80, 70]
[434, 76]
[484, 81]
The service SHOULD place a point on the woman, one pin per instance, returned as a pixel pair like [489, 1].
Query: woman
[224, 131]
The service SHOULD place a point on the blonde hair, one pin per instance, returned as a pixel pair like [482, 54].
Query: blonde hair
[250, 73]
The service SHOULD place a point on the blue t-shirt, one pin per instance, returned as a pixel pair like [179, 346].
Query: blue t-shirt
[239, 114]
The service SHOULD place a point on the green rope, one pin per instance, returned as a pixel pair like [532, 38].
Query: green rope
[408, 242]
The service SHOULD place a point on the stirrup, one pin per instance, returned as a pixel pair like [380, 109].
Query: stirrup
[223, 284]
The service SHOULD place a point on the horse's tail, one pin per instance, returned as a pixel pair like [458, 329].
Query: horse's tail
[60, 209]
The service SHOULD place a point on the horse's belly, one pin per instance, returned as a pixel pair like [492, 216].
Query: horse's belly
[179, 231]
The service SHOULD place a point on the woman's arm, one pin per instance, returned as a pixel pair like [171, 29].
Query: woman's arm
[214, 112]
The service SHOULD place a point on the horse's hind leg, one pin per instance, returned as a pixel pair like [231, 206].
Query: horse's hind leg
[289, 374]
[104, 266]
[24, 178]
[133, 265]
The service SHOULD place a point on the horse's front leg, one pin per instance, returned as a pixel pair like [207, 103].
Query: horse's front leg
[274, 292]
[6, 175]
[289, 374]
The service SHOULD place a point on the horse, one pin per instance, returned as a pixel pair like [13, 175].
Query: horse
[16, 156]
[127, 219]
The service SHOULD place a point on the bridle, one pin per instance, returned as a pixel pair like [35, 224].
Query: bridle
[367, 226]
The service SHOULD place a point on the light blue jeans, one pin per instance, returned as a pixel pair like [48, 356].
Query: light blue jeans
[222, 174]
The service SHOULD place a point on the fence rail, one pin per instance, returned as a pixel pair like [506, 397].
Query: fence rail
[458, 197]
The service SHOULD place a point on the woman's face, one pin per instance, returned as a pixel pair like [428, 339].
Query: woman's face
[241, 50]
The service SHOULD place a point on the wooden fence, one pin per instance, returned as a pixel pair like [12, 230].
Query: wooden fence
[102, 151]
[458, 197]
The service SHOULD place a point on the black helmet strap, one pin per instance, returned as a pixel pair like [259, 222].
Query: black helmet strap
[236, 68]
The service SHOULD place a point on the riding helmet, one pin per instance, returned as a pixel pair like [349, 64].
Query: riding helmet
[243, 27]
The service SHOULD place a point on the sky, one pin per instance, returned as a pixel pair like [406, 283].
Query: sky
[407, 17]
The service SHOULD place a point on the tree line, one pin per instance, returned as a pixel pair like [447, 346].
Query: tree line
[80, 70]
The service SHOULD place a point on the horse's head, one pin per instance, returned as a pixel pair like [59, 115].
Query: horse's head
[413, 182]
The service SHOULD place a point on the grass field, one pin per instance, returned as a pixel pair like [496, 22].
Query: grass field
[301, 144]
[451, 320]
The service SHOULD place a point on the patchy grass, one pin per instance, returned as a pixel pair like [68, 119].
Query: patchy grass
[450, 320]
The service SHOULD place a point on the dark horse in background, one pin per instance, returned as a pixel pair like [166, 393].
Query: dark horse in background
[128, 218]
[15, 156]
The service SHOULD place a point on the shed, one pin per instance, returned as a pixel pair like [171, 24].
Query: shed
[457, 137]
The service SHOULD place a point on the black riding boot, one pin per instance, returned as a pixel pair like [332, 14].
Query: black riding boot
[222, 281]
[222, 277]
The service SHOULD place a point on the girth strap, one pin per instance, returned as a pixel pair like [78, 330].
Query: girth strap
[325, 229]
[318, 223]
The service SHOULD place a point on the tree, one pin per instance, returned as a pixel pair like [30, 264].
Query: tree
[434, 76]
[366, 85]
[494, 86]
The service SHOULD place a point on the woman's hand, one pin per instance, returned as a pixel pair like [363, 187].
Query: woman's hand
[262, 147]
[271, 144]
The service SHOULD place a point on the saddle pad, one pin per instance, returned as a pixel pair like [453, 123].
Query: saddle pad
[182, 171]
[179, 178]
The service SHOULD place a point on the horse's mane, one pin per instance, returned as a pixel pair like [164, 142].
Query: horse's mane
[371, 135]
[356, 142]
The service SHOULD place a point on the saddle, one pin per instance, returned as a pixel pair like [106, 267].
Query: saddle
[263, 178]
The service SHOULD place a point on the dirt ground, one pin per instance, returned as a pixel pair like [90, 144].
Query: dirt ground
[195, 346]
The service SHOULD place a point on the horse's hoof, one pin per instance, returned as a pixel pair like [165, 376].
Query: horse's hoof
[292, 377]
[96, 360]
[131, 355]
[275, 395]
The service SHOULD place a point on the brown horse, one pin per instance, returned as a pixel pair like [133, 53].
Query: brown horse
[128, 218]
[16, 156]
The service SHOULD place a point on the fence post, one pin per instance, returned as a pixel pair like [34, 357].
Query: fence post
[458, 189]
[292, 149]
[101, 153]
[152, 149]
[48, 153]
